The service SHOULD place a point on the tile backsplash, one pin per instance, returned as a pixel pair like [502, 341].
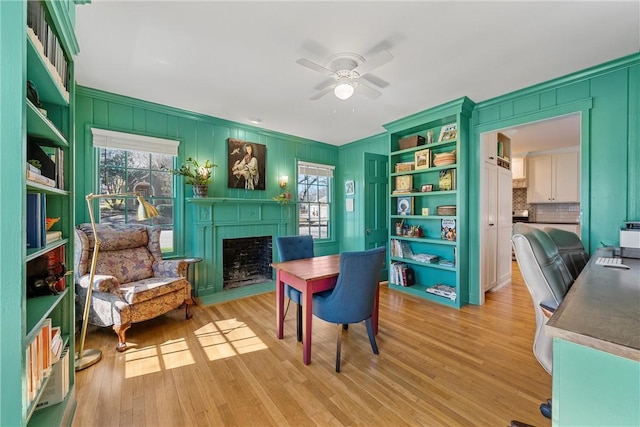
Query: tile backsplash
[551, 212]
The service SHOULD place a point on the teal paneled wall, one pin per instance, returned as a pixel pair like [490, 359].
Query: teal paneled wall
[351, 167]
[608, 98]
[202, 137]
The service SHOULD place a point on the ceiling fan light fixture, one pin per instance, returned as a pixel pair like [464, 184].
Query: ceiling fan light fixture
[344, 90]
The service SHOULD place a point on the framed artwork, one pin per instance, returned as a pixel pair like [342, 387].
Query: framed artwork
[405, 205]
[426, 188]
[349, 188]
[246, 164]
[422, 159]
[448, 132]
[404, 184]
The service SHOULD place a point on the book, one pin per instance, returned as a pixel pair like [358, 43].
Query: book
[448, 229]
[40, 179]
[447, 180]
[53, 236]
[34, 221]
[443, 291]
[405, 205]
[404, 184]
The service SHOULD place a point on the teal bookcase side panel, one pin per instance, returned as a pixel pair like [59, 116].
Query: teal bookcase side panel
[594, 388]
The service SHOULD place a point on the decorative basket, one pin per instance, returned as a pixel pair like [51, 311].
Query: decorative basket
[411, 141]
[446, 210]
[443, 159]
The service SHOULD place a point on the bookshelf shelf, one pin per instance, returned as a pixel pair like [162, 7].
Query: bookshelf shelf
[41, 127]
[38, 309]
[443, 187]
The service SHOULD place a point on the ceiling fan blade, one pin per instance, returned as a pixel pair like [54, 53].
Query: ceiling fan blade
[374, 62]
[330, 82]
[321, 94]
[377, 81]
[315, 67]
[367, 91]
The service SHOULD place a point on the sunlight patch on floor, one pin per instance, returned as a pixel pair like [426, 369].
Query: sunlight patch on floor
[169, 355]
[227, 338]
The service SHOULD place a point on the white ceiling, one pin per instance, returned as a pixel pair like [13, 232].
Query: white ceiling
[236, 60]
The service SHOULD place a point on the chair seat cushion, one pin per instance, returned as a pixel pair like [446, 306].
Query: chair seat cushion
[293, 294]
[142, 290]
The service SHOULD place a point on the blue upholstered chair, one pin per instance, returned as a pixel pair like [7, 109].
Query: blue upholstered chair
[353, 298]
[291, 248]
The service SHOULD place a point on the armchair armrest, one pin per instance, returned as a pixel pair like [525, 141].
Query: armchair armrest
[102, 283]
[170, 268]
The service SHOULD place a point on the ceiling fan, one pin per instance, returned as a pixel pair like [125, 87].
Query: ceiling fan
[348, 71]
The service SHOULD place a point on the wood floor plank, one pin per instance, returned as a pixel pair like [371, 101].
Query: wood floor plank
[437, 366]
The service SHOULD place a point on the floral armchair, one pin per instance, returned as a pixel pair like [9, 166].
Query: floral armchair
[132, 282]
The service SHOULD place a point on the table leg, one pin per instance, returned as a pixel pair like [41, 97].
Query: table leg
[307, 298]
[279, 305]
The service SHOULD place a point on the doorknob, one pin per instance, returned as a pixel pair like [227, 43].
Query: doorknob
[367, 230]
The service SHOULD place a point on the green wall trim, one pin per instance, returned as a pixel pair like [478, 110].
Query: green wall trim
[586, 74]
[60, 13]
[185, 114]
[461, 105]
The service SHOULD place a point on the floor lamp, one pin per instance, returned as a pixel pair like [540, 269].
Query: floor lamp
[86, 358]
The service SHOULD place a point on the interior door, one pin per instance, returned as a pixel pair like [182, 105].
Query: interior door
[376, 194]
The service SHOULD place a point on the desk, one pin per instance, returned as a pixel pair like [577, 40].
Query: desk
[309, 276]
[596, 347]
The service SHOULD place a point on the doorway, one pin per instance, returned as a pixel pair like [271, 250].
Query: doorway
[526, 146]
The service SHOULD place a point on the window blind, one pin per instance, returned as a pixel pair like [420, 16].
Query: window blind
[103, 138]
[316, 169]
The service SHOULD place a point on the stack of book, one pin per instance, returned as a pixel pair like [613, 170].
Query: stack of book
[400, 249]
[401, 274]
[443, 291]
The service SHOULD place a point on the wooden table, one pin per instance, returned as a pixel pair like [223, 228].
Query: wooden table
[309, 276]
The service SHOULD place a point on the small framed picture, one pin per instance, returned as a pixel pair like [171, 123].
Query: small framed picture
[422, 159]
[405, 205]
[448, 132]
[425, 188]
[349, 188]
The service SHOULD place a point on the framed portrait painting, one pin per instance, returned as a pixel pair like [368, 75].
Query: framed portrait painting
[246, 163]
[350, 188]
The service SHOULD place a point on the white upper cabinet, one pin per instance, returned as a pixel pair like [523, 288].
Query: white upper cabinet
[554, 178]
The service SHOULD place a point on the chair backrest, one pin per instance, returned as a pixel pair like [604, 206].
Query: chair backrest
[352, 300]
[547, 279]
[570, 248]
[294, 247]
[127, 251]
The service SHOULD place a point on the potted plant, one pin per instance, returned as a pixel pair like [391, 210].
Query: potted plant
[196, 174]
[283, 198]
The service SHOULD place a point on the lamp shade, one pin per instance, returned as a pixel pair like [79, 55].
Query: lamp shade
[343, 90]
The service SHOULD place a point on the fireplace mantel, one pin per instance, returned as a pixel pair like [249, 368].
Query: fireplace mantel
[217, 218]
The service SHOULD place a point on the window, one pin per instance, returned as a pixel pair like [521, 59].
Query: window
[314, 199]
[123, 169]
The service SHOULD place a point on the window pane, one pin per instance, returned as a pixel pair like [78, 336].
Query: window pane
[314, 209]
[123, 171]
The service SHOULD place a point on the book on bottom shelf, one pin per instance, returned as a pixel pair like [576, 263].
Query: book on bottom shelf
[443, 291]
[401, 274]
[58, 385]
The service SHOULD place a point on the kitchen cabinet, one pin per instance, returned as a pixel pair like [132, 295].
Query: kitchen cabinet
[496, 227]
[519, 172]
[554, 178]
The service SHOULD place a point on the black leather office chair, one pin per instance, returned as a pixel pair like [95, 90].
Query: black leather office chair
[570, 248]
[548, 280]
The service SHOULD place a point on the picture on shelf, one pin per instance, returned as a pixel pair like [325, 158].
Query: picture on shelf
[447, 180]
[448, 132]
[405, 205]
[404, 184]
[422, 159]
[448, 229]
[425, 188]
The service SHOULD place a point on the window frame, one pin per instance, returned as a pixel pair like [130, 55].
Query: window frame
[330, 217]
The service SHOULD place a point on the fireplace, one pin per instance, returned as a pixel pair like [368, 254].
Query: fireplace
[246, 261]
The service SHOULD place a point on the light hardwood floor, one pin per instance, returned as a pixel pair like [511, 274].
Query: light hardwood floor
[437, 366]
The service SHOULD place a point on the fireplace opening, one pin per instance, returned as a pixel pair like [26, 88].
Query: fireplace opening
[246, 261]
